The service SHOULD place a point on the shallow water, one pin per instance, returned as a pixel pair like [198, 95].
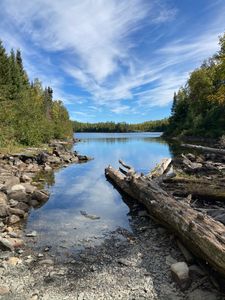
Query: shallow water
[83, 187]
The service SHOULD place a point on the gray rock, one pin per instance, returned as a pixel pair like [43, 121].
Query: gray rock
[3, 198]
[6, 245]
[23, 206]
[180, 274]
[202, 295]
[29, 188]
[18, 187]
[18, 196]
[4, 211]
[12, 202]
[40, 196]
[13, 219]
[25, 178]
[34, 203]
[17, 211]
[13, 180]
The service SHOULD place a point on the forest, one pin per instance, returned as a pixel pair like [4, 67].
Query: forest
[28, 114]
[159, 125]
[199, 106]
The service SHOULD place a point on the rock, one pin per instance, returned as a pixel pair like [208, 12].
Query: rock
[6, 245]
[47, 168]
[34, 203]
[12, 202]
[54, 160]
[25, 178]
[40, 255]
[13, 261]
[186, 253]
[13, 180]
[143, 213]
[202, 295]
[17, 243]
[4, 290]
[31, 234]
[13, 219]
[40, 196]
[196, 272]
[170, 260]
[18, 196]
[3, 198]
[18, 187]
[180, 274]
[17, 211]
[23, 206]
[4, 211]
[29, 188]
[92, 217]
[46, 262]
[42, 158]
[125, 262]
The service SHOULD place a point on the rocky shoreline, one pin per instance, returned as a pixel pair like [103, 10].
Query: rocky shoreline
[20, 186]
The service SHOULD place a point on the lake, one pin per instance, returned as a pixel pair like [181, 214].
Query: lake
[83, 187]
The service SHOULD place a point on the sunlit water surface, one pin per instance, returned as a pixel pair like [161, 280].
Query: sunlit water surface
[83, 187]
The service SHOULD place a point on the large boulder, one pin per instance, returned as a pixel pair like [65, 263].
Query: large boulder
[6, 245]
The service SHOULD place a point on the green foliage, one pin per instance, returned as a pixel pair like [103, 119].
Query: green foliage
[199, 107]
[159, 125]
[28, 114]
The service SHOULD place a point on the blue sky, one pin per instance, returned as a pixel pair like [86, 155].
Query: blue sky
[118, 60]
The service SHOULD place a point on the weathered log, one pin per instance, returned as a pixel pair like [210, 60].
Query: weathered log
[161, 168]
[200, 189]
[205, 149]
[201, 234]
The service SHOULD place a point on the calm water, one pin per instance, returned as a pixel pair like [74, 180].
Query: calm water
[59, 222]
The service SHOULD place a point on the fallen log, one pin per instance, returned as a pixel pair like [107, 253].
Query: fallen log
[206, 149]
[202, 235]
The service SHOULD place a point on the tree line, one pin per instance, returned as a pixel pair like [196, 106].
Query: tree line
[199, 107]
[28, 113]
[159, 125]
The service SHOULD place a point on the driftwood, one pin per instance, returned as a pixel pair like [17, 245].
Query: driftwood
[201, 234]
[205, 149]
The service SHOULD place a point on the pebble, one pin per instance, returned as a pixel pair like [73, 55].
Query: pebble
[180, 273]
[4, 289]
[46, 262]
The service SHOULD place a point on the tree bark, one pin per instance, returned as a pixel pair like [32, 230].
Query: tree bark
[206, 149]
[204, 236]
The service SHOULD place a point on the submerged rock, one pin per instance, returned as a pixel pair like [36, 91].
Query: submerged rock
[92, 217]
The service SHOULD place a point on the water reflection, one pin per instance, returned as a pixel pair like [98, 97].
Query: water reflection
[84, 187]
